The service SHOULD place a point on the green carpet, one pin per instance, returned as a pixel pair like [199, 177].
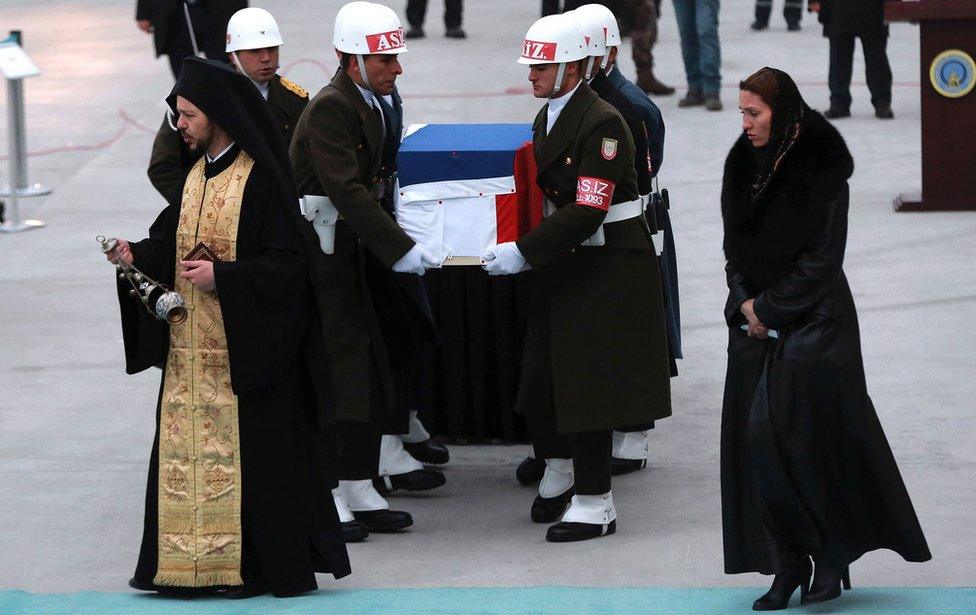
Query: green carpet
[527, 600]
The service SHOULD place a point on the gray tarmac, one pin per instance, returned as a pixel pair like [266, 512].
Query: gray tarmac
[75, 431]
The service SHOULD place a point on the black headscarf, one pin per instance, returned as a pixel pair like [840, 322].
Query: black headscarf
[230, 100]
[789, 113]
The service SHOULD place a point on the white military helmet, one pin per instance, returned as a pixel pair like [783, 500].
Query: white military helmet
[609, 21]
[595, 35]
[554, 39]
[252, 28]
[366, 28]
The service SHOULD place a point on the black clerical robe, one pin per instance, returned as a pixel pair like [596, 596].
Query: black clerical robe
[288, 518]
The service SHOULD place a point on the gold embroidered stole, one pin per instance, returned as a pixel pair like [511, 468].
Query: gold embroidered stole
[199, 482]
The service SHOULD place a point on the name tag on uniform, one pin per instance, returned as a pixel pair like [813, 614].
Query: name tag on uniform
[594, 192]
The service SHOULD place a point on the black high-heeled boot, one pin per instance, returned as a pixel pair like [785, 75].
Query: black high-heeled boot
[827, 583]
[784, 584]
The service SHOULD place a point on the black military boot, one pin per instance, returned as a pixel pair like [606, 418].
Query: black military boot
[549, 510]
[884, 112]
[530, 471]
[836, 112]
[428, 452]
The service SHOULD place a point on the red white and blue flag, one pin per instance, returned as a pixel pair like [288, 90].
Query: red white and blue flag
[466, 187]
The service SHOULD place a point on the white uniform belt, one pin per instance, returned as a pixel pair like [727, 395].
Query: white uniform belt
[616, 213]
[624, 211]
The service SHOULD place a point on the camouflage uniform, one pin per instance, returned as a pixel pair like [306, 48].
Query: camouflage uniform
[643, 35]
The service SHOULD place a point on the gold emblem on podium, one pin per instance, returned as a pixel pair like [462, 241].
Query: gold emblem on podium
[953, 73]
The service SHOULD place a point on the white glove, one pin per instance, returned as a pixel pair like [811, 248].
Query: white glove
[411, 262]
[504, 259]
[429, 260]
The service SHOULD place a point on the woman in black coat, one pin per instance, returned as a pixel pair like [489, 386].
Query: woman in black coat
[806, 469]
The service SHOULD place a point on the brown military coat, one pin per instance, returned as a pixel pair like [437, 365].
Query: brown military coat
[595, 347]
[337, 152]
[171, 160]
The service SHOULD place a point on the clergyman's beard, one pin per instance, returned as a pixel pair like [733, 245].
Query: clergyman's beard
[202, 144]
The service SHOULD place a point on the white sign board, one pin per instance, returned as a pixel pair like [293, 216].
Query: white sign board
[14, 62]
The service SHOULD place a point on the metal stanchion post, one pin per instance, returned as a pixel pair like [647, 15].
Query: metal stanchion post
[16, 66]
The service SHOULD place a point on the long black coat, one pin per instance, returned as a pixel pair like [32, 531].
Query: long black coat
[853, 18]
[289, 519]
[167, 15]
[366, 317]
[806, 468]
[595, 342]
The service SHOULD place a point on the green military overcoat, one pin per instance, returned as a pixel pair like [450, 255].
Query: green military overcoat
[170, 160]
[337, 152]
[595, 348]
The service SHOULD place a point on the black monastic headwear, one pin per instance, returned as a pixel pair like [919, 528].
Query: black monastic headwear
[230, 100]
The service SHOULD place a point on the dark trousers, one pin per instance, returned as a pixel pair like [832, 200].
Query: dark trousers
[877, 70]
[792, 11]
[552, 7]
[180, 46]
[590, 451]
[358, 448]
[417, 10]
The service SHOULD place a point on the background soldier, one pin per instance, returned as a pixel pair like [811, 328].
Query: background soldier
[369, 321]
[630, 445]
[253, 41]
[596, 312]
[643, 35]
[167, 20]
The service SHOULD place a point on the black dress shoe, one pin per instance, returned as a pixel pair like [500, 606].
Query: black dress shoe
[836, 112]
[759, 25]
[418, 480]
[626, 466]
[413, 32]
[530, 471]
[548, 510]
[573, 532]
[694, 98]
[794, 27]
[428, 452]
[826, 584]
[380, 521]
[455, 33]
[784, 584]
[884, 112]
[353, 531]
[248, 590]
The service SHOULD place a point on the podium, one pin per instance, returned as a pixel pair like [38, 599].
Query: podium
[948, 46]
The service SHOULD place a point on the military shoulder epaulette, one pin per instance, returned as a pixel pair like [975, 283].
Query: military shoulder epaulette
[294, 88]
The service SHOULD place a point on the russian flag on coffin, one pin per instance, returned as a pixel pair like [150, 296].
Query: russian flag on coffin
[465, 187]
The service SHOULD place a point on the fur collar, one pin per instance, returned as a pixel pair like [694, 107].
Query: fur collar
[820, 161]
[811, 174]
